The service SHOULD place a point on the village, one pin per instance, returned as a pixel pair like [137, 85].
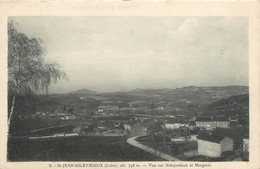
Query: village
[184, 136]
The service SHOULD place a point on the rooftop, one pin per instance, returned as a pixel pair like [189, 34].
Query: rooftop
[211, 138]
[210, 118]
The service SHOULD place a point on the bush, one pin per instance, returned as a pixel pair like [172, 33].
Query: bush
[228, 155]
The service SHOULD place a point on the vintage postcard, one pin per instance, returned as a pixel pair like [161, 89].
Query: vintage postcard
[129, 85]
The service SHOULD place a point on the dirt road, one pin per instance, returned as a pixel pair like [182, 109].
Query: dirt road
[135, 143]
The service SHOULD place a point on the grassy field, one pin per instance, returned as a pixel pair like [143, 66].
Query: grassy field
[79, 148]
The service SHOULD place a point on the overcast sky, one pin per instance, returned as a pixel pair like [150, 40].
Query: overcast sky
[122, 53]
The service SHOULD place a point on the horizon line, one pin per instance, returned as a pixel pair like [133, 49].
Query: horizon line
[117, 91]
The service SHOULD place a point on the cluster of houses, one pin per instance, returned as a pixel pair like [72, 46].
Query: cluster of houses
[134, 106]
[222, 135]
[57, 114]
[220, 140]
[215, 136]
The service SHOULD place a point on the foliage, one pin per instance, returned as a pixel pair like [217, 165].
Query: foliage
[28, 72]
[228, 154]
[237, 105]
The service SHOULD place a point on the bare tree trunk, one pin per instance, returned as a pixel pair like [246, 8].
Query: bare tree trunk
[11, 114]
[47, 92]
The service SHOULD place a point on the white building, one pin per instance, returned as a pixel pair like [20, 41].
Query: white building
[246, 149]
[175, 125]
[214, 146]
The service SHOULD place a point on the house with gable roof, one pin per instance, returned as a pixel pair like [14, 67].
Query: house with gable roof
[213, 146]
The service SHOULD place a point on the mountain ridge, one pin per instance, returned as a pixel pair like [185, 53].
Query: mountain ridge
[83, 91]
[144, 90]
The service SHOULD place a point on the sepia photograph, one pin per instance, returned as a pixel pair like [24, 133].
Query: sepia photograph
[128, 88]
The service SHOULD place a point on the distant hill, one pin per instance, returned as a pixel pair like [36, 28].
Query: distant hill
[219, 89]
[179, 97]
[191, 94]
[149, 90]
[83, 91]
[242, 100]
[234, 105]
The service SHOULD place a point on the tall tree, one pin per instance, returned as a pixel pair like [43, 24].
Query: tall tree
[28, 72]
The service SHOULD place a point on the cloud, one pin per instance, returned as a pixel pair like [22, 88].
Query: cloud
[113, 53]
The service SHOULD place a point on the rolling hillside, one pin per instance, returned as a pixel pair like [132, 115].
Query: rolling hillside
[237, 105]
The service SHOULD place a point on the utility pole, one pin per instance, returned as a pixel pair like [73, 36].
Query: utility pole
[153, 126]
[164, 123]
[187, 131]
